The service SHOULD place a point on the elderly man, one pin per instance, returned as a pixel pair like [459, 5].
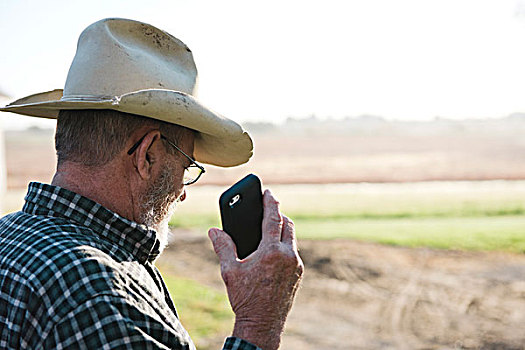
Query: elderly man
[76, 264]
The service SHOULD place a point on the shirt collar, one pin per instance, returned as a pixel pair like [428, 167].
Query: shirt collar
[138, 240]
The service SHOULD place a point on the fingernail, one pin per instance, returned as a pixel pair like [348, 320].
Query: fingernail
[212, 234]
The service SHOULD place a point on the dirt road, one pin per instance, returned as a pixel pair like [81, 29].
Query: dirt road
[368, 296]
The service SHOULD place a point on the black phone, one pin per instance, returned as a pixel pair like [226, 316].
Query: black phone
[241, 214]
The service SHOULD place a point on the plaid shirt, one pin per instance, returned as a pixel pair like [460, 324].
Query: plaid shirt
[75, 275]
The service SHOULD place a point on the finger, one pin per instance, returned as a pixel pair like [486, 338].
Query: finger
[223, 246]
[272, 220]
[288, 234]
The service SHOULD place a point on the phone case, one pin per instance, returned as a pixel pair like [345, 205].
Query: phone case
[241, 214]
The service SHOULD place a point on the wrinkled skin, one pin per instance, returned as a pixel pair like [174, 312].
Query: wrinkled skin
[262, 287]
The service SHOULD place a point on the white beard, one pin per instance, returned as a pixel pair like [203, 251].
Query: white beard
[163, 228]
[159, 204]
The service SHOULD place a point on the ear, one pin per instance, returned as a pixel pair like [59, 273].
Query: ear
[146, 155]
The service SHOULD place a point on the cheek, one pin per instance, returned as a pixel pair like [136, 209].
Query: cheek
[177, 175]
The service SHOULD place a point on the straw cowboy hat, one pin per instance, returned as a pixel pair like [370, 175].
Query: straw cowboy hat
[133, 67]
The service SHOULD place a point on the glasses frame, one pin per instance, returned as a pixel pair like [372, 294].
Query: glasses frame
[192, 161]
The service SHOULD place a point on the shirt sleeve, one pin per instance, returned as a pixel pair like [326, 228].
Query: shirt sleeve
[109, 322]
[234, 343]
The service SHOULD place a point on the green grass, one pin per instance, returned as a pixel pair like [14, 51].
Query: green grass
[470, 216]
[204, 311]
[195, 221]
[505, 233]
[496, 232]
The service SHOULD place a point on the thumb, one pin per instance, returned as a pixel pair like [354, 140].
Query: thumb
[223, 245]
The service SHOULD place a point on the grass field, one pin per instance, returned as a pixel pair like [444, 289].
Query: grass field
[484, 215]
[449, 215]
[481, 216]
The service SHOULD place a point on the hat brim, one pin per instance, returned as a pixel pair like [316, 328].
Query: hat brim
[219, 141]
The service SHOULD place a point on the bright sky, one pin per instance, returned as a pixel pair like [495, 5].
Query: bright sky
[268, 60]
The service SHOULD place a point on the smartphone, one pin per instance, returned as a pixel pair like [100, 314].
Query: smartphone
[241, 214]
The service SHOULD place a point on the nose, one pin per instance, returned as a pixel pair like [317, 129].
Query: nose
[182, 196]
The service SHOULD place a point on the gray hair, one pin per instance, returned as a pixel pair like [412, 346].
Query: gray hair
[93, 137]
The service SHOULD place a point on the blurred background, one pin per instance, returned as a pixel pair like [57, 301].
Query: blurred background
[393, 133]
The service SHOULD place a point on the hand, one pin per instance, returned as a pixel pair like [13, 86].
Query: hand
[261, 288]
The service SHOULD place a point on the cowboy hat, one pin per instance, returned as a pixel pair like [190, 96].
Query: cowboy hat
[133, 67]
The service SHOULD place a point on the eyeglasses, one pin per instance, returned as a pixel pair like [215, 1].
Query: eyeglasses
[192, 173]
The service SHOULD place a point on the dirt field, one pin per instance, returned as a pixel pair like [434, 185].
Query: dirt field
[359, 150]
[367, 296]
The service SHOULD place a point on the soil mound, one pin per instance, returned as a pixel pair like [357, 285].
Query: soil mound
[367, 296]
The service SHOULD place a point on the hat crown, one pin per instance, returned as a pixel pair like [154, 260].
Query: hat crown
[117, 56]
